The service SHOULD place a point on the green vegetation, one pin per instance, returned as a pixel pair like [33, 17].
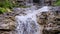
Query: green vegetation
[5, 4]
[2, 10]
[57, 3]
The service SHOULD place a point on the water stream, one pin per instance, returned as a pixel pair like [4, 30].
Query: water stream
[28, 24]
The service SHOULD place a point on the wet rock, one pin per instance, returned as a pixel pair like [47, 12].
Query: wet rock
[51, 22]
[42, 18]
[7, 24]
[7, 32]
[7, 20]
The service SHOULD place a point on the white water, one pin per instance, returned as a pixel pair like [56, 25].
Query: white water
[28, 24]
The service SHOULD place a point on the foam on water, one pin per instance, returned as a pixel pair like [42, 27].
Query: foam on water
[28, 24]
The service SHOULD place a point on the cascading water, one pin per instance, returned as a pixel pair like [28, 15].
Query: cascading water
[28, 24]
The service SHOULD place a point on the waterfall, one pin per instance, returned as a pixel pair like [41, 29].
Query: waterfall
[28, 24]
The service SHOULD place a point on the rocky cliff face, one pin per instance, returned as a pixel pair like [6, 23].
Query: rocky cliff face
[7, 24]
[7, 21]
[50, 21]
[36, 2]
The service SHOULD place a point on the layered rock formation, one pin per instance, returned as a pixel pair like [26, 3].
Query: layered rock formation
[7, 24]
[36, 2]
[7, 21]
[50, 22]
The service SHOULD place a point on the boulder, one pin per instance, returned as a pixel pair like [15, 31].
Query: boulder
[51, 22]
[7, 24]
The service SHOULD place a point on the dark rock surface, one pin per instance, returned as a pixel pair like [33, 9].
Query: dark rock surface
[51, 22]
[7, 21]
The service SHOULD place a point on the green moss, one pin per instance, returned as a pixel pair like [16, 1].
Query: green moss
[2, 10]
[5, 4]
[57, 3]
